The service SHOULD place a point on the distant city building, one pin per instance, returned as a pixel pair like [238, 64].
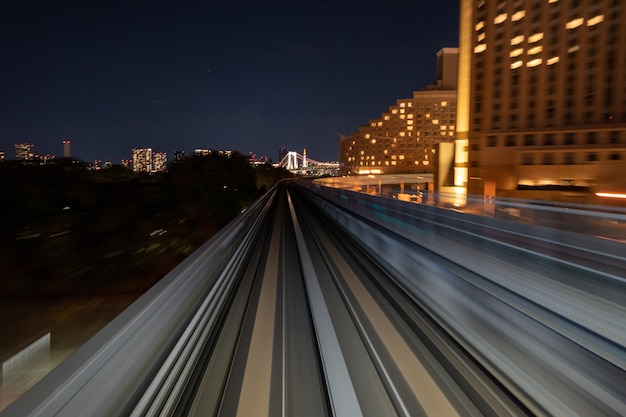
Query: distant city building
[179, 155]
[24, 152]
[127, 163]
[145, 160]
[282, 153]
[66, 149]
[44, 159]
[159, 162]
[542, 99]
[142, 160]
[1, 156]
[405, 139]
[107, 165]
[202, 152]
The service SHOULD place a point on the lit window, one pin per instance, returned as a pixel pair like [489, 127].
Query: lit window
[443, 127]
[481, 36]
[517, 40]
[402, 134]
[535, 50]
[394, 111]
[367, 136]
[480, 48]
[516, 64]
[409, 116]
[393, 162]
[401, 157]
[386, 117]
[516, 52]
[435, 121]
[535, 37]
[552, 60]
[444, 103]
[595, 20]
[362, 152]
[518, 15]
[573, 49]
[402, 111]
[373, 140]
[409, 128]
[402, 116]
[409, 122]
[427, 115]
[480, 25]
[380, 123]
[402, 104]
[534, 62]
[552, 1]
[499, 18]
[574, 23]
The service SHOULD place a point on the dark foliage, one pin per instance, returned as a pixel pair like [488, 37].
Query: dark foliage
[76, 232]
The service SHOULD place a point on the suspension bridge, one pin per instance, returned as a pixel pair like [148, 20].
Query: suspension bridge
[300, 164]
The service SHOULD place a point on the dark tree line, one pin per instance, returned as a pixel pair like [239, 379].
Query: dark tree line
[69, 231]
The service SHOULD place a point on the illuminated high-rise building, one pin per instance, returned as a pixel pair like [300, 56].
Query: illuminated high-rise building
[66, 149]
[24, 152]
[542, 99]
[145, 160]
[406, 138]
[159, 162]
[142, 160]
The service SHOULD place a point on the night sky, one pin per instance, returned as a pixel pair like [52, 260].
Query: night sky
[246, 76]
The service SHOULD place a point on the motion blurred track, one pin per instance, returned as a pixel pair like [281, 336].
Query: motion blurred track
[327, 303]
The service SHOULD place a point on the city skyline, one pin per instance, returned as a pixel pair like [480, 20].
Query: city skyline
[19, 151]
[176, 76]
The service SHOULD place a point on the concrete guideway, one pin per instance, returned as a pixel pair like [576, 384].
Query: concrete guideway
[324, 302]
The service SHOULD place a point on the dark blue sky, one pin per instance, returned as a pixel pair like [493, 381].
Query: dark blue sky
[179, 75]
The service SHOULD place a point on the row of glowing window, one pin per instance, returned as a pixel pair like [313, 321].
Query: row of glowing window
[386, 153]
[402, 110]
[572, 24]
[417, 116]
[442, 132]
[410, 118]
[387, 163]
[410, 124]
[532, 51]
[410, 104]
[442, 128]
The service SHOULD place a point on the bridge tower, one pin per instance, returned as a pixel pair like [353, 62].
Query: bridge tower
[292, 160]
[304, 161]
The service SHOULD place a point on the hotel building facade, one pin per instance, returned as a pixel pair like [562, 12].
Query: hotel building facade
[405, 138]
[542, 99]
